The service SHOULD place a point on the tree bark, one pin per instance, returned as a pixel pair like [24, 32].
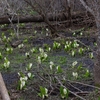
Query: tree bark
[96, 14]
[97, 57]
[3, 90]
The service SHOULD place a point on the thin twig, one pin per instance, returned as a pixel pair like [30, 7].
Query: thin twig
[84, 84]
[75, 87]
[69, 90]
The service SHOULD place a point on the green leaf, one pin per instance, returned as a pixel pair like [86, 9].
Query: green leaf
[59, 70]
[21, 74]
[42, 90]
[61, 90]
[79, 67]
[73, 53]
[87, 74]
[99, 98]
[41, 95]
[80, 51]
[91, 55]
[64, 92]
[67, 94]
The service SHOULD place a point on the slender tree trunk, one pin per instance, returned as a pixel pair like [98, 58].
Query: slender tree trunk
[69, 15]
[97, 57]
[96, 13]
[3, 89]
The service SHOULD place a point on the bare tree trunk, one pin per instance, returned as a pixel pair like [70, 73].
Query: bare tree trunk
[94, 9]
[3, 89]
[67, 7]
[97, 57]
[69, 12]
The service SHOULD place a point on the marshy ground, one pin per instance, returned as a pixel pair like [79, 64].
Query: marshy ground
[34, 37]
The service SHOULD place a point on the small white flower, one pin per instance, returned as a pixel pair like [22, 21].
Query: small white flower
[29, 75]
[73, 53]
[22, 84]
[58, 44]
[57, 67]
[47, 29]
[27, 54]
[41, 50]
[12, 34]
[46, 90]
[47, 34]
[20, 46]
[45, 55]
[11, 49]
[70, 42]
[30, 65]
[76, 44]
[65, 46]
[21, 79]
[64, 91]
[8, 63]
[25, 78]
[43, 96]
[35, 31]
[91, 55]
[87, 71]
[5, 58]
[74, 63]
[51, 67]
[51, 63]
[74, 33]
[88, 48]
[81, 33]
[75, 74]
[95, 44]
[66, 42]
[18, 73]
[5, 65]
[4, 37]
[39, 59]
[33, 50]
[80, 50]
[49, 49]
[7, 49]
[8, 39]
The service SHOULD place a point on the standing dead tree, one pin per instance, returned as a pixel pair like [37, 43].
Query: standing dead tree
[42, 8]
[93, 6]
[51, 6]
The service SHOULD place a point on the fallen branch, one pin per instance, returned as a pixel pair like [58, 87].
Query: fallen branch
[69, 90]
[39, 18]
[84, 84]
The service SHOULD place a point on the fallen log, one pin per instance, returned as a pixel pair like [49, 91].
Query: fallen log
[39, 18]
[3, 90]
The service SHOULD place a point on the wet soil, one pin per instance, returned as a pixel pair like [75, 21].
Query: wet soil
[11, 79]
